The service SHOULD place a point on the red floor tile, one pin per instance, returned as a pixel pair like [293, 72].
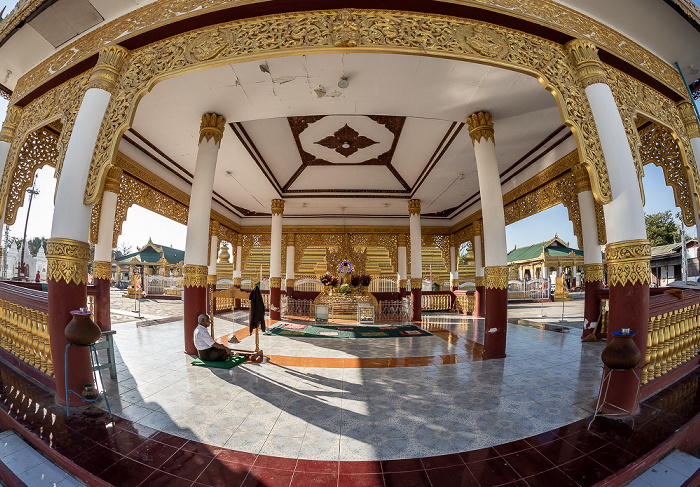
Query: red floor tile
[407, 465]
[559, 451]
[186, 464]
[238, 457]
[123, 442]
[162, 479]
[152, 453]
[126, 473]
[317, 466]
[201, 448]
[97, 459]
[585, 471]
[528, 462]
[512, 447]
[407, 479]
[459, 476]
[361, 480]
[612, 457]
[585, 441]
[441, 461]
[169, 439]
[267, 477]
[279, 463]
[314, 479]
[479, 455]
[494, 471]
[360, 467]
[553, 477]
[223, 474]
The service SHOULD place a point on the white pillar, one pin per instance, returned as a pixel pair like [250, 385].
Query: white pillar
[8, 133]
[213, 255]
[289, 271]
[416, 241]
[276, 239]
[105, 235]
[478, 259]
[211, 132]
[589, 228]
[481, 131]
[692, 126]
[237, 270]
[454, 273]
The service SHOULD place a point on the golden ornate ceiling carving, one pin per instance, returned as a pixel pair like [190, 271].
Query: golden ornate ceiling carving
[379, 31]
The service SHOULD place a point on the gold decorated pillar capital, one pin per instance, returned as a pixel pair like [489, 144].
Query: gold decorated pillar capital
[67, 260]
[454, 283]
[478, 228]
[581, 179]
[479, 281]
[291, 239]
[416, 283]
[401, 240]
[496, 277]
[211, 279]
[414, 207]
[9, 126]
[114, 176]
[628, 262]
[102, 270]
[214, 227]
[584, 55]
[690, 120]
[402, 283]
[277, 207]
[212, 126]
[194, 275]
[237, 282]
[106, 72]
[480, 127]
[275, 283]
[593, 273]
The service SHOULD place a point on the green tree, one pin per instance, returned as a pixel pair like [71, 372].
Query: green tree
[35, 243]
[661, 228]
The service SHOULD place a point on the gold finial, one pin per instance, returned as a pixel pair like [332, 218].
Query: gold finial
[690, 120]
[212, 126]
[401, 240]
[581, 179]
[114, 176]
[414, 207]
[14, 113]
[584, 55]
[480, 126]
[106, 72]
[277, 207]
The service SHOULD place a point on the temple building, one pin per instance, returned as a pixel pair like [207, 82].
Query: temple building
[350, 152]
[538, 261]
[149, 260]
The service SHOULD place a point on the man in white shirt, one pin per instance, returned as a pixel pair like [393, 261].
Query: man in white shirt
[207, 348]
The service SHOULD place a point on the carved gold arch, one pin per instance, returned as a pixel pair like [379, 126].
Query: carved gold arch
[441, 242]
[60, 103]
[302, 241]
[635, 98]
[40, 148]
[659, 147]
[251, 240]
[367, 30]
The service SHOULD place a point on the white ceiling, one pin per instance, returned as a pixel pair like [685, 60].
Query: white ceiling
[434, 95]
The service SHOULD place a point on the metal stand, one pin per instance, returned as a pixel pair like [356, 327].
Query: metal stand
[603, 395]
[95, 365]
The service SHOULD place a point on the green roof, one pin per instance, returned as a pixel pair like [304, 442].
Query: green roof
[553, 248]
[151, 253]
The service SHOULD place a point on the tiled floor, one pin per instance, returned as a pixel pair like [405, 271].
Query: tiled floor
[514, 421]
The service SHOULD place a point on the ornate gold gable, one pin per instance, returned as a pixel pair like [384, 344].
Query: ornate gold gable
[345, 251]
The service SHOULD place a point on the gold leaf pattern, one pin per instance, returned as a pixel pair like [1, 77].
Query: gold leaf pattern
[102, 270]
[496, 277]
[628, 262]
[194, 275]
[593, 272]
[67, 260]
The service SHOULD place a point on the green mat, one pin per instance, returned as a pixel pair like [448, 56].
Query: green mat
[220, 364]
[346, 331]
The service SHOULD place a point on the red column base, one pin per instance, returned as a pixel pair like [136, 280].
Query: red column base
[275, 303]
[402, 292]
[195, 304]
[479, 302]
[63, 298]
[416, 306]
[591, 307]
[496, 323]
[102, 305]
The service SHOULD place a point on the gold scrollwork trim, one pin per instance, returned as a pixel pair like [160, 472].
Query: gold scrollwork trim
[277, 207]
[211, 279]
[106, 72]
[690, 120]
[402, 283]
[114, 175]
[416, 283]
[628, 262]
[583, 183]
[237, 281]
[195, 275]
[67, 260]
[11, 121]
[414, 207]
[584, 55]
[480, 127]
[275, 282]
[496, 277]
[479, 281]
[454, 283]
[102, 270]
[593, 272]
[212, 126]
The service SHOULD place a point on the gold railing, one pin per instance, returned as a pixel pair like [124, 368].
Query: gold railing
[604, 311]
[673, 339]
[435, 302]
[24, 332]
[464, 303]
[227, 303]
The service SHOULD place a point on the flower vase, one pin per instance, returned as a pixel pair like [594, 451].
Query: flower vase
[81, 330]
[621, 352]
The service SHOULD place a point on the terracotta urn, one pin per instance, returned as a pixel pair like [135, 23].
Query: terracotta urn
[621, 352]
[90, 392]
[81, 330]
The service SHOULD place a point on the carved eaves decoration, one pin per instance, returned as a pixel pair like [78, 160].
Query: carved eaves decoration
[382, 31]
[658, 146]
[39, 149]
[634, 99]
[60, 103]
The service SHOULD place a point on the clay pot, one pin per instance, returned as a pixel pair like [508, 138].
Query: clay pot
[90, 392]
[621, 352]
[81, 330]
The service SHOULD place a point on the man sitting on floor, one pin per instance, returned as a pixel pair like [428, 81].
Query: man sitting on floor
[207, 349]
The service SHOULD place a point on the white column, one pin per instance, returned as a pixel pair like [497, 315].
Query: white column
[276, 239]
[416, 241]
[237, 270]
[105, 235]
[402, 268]
[213, 255]
[7, 133]
[478, 259]
[211, 132]
[589, 228]
[289, 271]
[481, 131]
[454, 273]
[692, 126]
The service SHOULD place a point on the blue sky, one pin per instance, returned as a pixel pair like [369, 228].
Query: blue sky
[142, 224]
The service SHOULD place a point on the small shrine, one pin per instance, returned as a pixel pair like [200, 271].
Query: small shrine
[346, 283]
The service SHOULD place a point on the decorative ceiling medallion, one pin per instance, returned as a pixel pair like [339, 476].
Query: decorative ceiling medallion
[346, 141]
